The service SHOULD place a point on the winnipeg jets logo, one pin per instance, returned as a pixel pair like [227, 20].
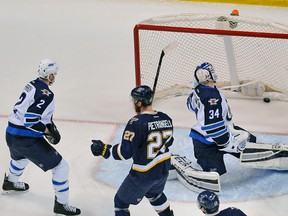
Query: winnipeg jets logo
[46, 92]
[213, 101]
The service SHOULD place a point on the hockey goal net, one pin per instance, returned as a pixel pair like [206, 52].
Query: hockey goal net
[250, 55]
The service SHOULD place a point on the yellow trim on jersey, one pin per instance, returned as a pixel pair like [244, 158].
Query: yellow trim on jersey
[119, 152]
[150, 165]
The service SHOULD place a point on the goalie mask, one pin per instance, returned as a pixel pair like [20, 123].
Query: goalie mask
[142, 93]
[205, 73]
[209, 201]
[46, 68]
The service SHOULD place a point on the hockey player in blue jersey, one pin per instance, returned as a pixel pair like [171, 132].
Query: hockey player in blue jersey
[146, 139]
[208, 202]
[214, 134]
[29, 123]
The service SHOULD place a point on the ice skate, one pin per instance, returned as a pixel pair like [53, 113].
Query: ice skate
[11, 186]
[65, 209]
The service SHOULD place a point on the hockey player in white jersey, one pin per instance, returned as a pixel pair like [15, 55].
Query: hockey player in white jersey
[28, 126]
[214, 134]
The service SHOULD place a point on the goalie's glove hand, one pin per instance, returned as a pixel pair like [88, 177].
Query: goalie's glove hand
[237, 142]
[53, 136]
[98, 148]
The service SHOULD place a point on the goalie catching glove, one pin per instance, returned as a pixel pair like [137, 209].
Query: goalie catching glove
[99, 148]
[237, 142]
[53, 136]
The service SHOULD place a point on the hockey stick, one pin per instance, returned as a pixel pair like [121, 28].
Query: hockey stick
[236, 86]
[164, 51]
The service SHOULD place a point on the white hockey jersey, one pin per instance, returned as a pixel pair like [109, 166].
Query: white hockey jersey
[212, 113]
[33, 110]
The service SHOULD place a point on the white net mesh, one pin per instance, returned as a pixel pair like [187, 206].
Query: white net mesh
[255, 50]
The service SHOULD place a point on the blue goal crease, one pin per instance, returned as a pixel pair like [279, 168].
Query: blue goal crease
[238, 184]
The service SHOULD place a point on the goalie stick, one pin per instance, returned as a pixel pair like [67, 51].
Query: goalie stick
[265, 156]
[193, 178]
[165, 50]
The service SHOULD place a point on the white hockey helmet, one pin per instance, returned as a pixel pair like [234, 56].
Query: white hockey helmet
[205, 73]
[47, 67]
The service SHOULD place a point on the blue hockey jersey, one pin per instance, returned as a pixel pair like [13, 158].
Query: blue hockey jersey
[33, 110]
[231, 211]
[146, 139]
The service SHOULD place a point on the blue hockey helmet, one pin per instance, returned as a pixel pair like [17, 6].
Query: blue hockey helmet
[209, 201]
[142, 93]
[205, 73]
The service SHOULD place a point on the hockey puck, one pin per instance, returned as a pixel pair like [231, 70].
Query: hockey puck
[266, 100]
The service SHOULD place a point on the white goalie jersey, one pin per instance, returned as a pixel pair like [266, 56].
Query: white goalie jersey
[212, 113]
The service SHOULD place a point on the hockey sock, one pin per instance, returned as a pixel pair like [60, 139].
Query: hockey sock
[160, 204]
[60, 182]
[16, 168]
[120, 208]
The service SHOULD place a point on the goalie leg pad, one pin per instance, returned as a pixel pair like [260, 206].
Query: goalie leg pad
[194, 178]
[172, 173]
[265, 156]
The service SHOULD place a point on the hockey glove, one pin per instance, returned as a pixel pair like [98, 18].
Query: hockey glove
[99, 148]
[237, 142]
[54, 136]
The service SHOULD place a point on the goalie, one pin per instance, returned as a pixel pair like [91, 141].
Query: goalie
[214, 134]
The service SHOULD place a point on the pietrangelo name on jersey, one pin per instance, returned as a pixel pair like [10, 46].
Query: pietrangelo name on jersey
[159, 124]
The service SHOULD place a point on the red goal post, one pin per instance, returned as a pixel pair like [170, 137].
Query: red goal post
[246, 52]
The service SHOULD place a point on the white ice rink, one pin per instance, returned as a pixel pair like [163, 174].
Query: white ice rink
[92, 40]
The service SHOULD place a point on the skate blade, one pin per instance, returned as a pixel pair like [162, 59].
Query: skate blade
[5, 192]
[12, 192]
[56, 214]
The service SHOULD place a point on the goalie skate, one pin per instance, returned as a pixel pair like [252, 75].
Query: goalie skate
[9, 187]
[193, 177]
[265, 156]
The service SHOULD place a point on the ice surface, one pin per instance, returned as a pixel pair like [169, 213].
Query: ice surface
[92, 40]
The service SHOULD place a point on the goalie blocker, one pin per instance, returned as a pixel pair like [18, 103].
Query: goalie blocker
[191, 175]
[265, 156]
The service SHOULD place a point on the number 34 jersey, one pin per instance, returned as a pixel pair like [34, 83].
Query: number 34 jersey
[212, 113]
[33, 110]
[146, 139]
